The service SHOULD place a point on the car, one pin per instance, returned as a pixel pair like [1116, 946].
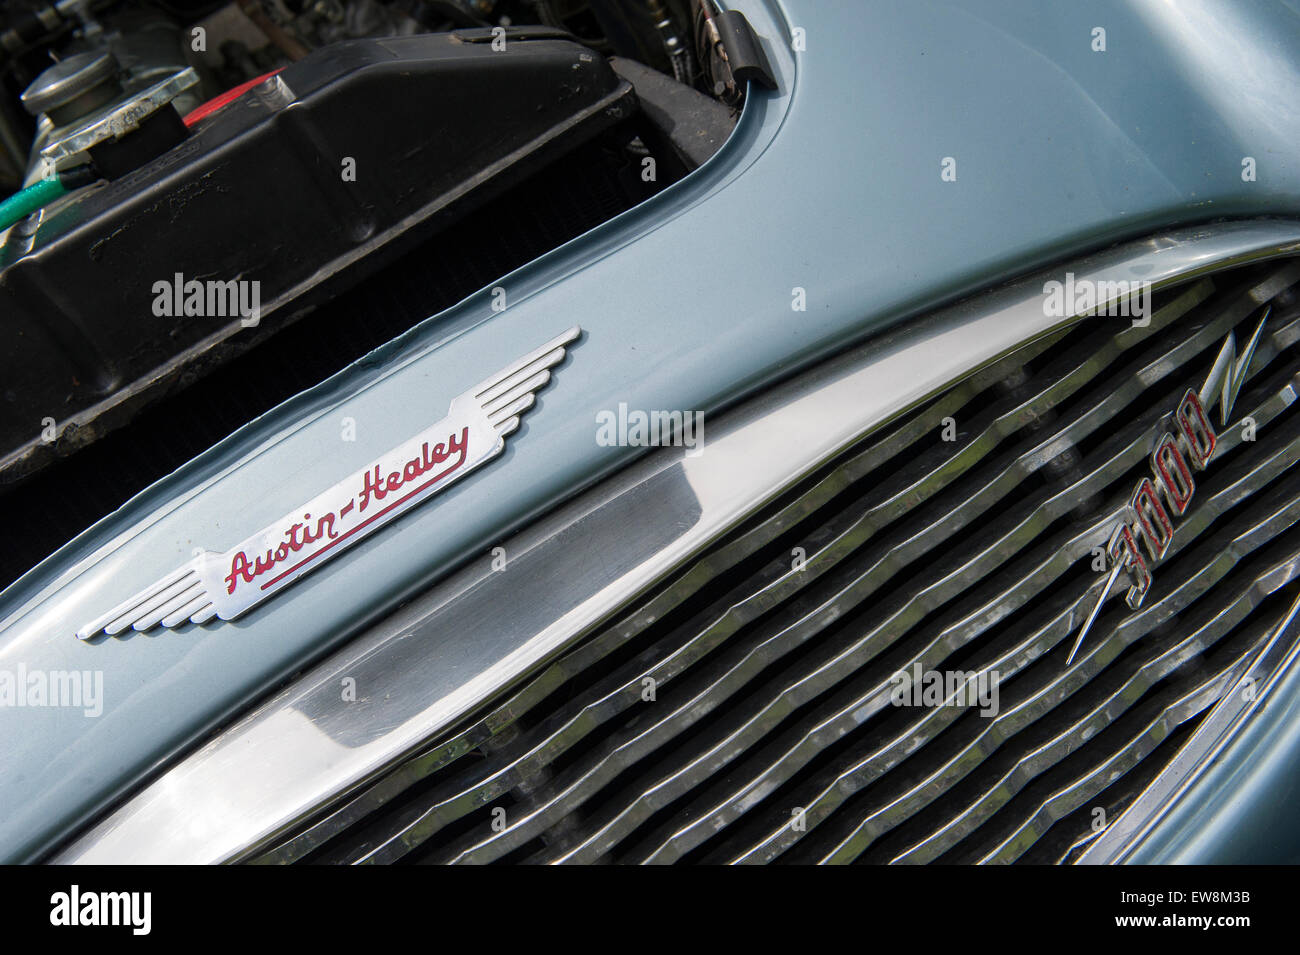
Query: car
[651, 431]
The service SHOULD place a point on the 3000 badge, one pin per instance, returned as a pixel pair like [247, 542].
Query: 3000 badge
[1172, 478]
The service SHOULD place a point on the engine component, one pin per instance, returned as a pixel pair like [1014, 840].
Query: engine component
[42, 193]
[729, 53]
[268, 206]
[74, 87]
[694, 125]
[90, 113]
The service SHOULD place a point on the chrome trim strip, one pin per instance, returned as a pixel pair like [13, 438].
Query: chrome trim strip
[478, 632]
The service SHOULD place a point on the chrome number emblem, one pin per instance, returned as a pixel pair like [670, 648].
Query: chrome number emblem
[1168, 492]
[227, 584]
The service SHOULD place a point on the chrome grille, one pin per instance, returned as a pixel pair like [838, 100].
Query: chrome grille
[771, 681]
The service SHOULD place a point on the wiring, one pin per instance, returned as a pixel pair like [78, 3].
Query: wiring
[38, 195]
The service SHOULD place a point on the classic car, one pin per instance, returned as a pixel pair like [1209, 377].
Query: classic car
[649, 431]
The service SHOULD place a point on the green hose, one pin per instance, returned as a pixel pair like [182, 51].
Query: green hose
[23, 203]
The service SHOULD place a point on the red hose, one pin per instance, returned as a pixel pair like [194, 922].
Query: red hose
[229, 96]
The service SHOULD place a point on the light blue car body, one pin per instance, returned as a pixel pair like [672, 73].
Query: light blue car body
[832, 184]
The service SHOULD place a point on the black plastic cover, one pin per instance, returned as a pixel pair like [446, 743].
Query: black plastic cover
[262, 191]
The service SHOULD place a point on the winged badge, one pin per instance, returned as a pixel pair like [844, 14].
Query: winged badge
[227, 584]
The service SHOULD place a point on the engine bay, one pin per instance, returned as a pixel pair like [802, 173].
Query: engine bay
[195, 179]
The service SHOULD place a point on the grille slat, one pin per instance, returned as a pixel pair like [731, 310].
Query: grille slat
[1033, 646]
[849, 714]
[794, 693]
[773, 683]
[616, 758]
[1118, 763]
[1149, 671]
